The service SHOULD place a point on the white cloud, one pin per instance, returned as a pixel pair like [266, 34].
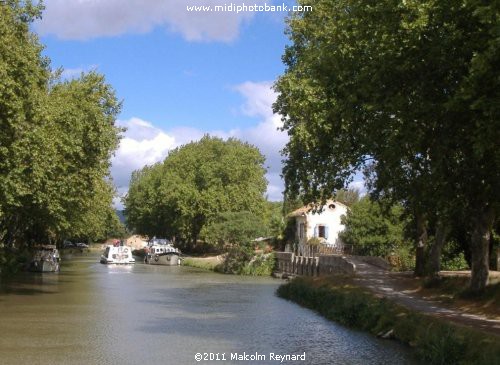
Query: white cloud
[142, 144]
[358, 185]
[86, 19]
[259, 98]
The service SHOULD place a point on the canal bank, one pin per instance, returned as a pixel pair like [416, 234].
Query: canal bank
[92, 313]
[433, 340]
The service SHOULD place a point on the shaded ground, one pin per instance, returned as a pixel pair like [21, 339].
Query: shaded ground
[408, 291]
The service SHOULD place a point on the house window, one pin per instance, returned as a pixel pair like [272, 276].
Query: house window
[321, 231]
[302, 228]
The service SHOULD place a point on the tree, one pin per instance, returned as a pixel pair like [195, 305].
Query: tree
[234, 229]
[56, 140]
[347, 197]
[405, 90]
[372, 229]
[23, 74]
[274, 220]
[193, 186]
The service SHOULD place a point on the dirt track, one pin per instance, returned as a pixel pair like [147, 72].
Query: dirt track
[396, 287]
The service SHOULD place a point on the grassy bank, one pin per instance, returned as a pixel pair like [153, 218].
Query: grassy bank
[205, 263]
[258, 265]
[435, 341]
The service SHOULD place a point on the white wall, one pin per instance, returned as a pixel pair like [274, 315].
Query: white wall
[328, 217]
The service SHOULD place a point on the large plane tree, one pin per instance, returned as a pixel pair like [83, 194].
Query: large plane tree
[407, 91]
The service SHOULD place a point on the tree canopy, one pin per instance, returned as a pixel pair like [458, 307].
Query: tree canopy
[373, 230]
[405, 90]
[56, 140]
[193, 186]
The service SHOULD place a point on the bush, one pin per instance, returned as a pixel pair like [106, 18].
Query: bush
[453, 258]
[403, 258]
[373, 230]
[242, 260]
[236, 259]
[260, 265]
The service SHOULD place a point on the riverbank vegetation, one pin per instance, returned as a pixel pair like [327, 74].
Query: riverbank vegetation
[406, 92]
[235, 262]
[435, 341]
[56, 139]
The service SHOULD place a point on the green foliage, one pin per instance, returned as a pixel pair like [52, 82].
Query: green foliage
[114, 227]
[436, 341]
[274, 220]
[193, 186]
[56, 140]
[347, 197]
[373, 230]
[403, 258]
[406, 90]
[233, 228]
[236, 259]
[315, 241]
[260, 265]
[453, 258]
[242, 260]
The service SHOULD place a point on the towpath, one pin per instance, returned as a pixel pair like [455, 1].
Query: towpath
[402, 291]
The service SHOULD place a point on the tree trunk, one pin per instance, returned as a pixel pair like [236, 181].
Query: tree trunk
[420, 243]
[434, 261]
[480, 241]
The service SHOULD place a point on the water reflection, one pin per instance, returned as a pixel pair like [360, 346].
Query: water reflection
[92, 313]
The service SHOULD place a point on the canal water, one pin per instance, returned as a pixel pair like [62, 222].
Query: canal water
[91, 313]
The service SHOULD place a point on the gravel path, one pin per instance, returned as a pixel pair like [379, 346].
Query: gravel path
[391, 286]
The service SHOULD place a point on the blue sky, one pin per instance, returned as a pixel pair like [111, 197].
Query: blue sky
[180, 74]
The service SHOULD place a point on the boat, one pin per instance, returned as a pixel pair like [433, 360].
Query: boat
[45, 258]
[162, 252]
[117, 254]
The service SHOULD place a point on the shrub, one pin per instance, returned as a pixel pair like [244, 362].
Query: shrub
[260, 265]
[403, 258]
[242, 260]
[373, 230]
[453, 257]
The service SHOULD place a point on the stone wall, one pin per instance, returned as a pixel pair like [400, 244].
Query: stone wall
[290, 264]
[334, 264]
[375, 261]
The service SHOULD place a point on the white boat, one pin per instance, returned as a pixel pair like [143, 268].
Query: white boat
[114, 254]
[162, 252]
[45, 259]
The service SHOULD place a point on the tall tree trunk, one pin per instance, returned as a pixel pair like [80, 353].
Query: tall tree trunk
[434, 263]
[480, 241]
[420, 243]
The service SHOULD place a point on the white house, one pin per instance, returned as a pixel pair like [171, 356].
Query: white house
[325, 224]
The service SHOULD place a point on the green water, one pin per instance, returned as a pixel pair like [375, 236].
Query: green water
[91, 313]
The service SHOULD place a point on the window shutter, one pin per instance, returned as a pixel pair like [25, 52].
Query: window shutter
[316, 231]
[326, 232]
